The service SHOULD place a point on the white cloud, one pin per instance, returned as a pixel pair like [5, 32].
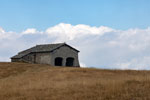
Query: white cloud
[70, 32]
[2, 30]
[6, 35]
[101, 47]
[136, 63]
[2, 33]
[82, 65]
[30, 31]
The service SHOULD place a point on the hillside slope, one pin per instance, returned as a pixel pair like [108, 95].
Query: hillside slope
[19, 81]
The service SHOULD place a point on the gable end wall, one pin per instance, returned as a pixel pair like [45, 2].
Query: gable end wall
[65, 52]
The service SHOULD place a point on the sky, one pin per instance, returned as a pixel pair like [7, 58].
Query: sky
[112, 34]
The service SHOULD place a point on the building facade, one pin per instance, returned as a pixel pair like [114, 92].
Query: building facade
[60, 54]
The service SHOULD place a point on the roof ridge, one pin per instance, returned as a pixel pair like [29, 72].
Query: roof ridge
[50, 44]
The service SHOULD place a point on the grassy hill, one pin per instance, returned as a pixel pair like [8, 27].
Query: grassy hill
[19, 81]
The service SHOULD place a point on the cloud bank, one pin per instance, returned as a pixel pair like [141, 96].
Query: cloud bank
[101, 47]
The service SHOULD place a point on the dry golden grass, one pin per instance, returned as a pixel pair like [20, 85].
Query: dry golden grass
[19, 81]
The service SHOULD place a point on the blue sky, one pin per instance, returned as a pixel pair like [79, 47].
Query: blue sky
[17, 15]
[109, 33]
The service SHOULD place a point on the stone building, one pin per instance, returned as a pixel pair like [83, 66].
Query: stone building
[60, 54]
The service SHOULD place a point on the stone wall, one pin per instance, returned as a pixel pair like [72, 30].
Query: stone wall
[29, 58]
[65, 52]
[43, 58]
[16, 60]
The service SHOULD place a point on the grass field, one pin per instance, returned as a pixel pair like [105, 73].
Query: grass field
[19, 81]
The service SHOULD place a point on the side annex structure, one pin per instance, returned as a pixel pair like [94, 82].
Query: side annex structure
[60, 54]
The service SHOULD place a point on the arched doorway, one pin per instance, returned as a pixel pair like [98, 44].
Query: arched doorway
[69, 61]
[58, 61]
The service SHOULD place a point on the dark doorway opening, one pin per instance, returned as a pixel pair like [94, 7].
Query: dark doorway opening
[34, 58]
[58, 61]
[69, 61]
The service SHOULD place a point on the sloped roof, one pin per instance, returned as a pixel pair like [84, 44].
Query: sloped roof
[41, 48]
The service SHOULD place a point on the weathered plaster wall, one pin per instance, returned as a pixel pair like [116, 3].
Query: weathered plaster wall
[65, 52]
[16, 60]
[43, 58]
[28, 58]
